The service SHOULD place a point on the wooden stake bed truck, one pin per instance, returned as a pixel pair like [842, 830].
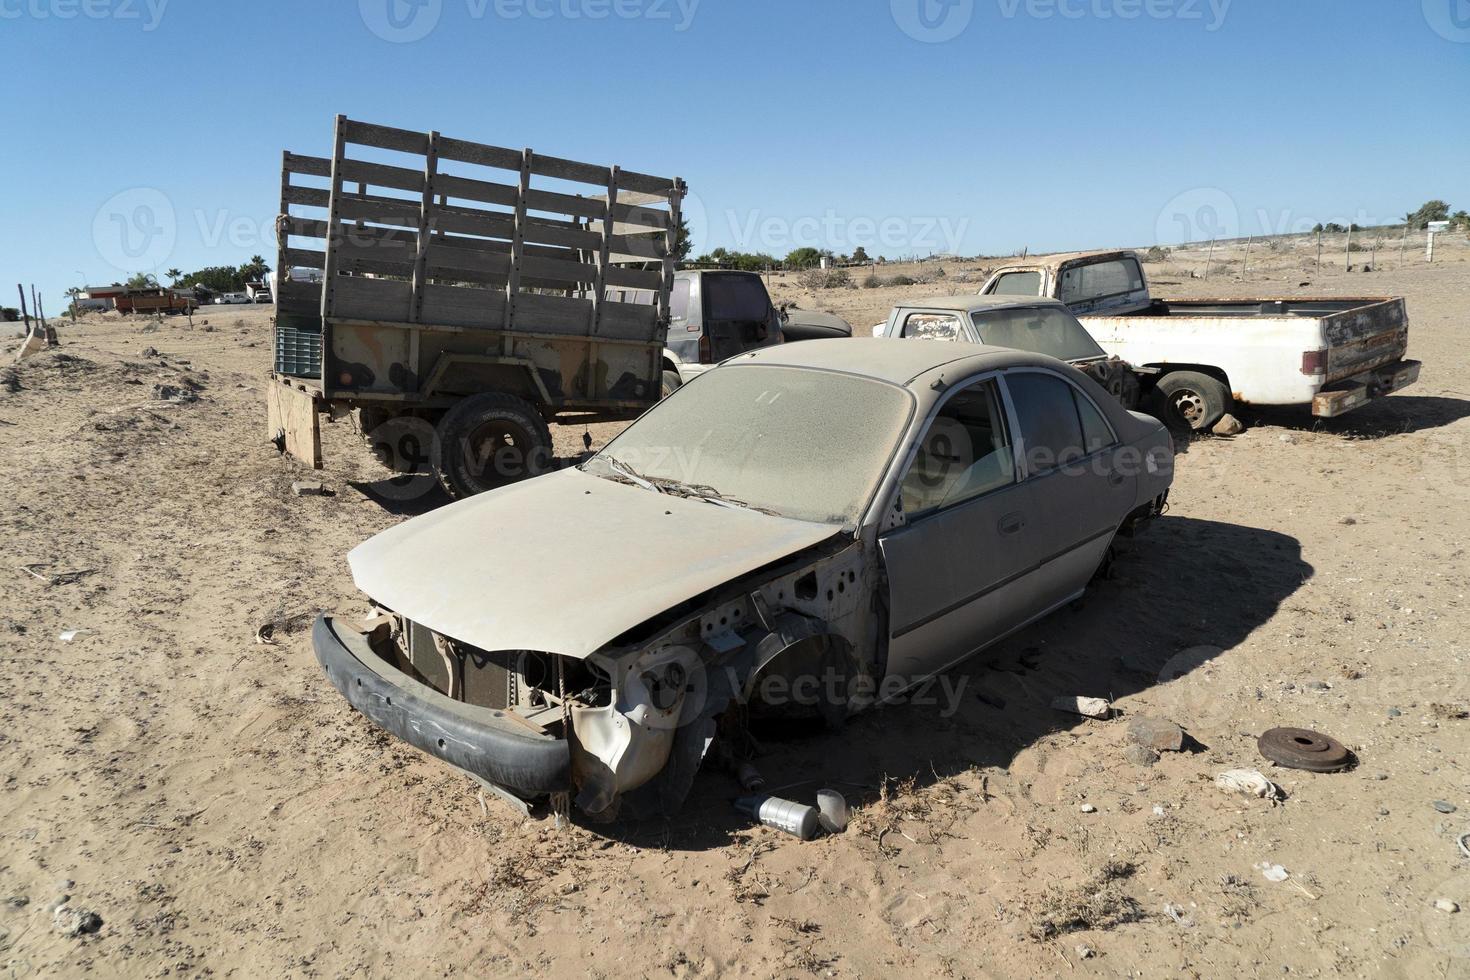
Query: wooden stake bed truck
[462, 295]
[1333, 354]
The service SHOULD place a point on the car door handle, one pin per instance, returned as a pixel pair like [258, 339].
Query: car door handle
[1010, 524]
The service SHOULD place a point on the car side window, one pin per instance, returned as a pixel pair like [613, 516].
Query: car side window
[964, 453]
[931, 326]
[1058, 423]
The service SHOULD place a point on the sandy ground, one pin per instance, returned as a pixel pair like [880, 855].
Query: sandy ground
[226, 814]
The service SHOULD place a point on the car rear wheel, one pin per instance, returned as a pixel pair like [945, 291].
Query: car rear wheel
[488, 441]
[1193, 400]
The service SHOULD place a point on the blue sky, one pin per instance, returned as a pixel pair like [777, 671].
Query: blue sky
[905, 126]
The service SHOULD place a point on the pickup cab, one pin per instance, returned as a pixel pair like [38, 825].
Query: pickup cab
[1042, 326]
[1332, 354]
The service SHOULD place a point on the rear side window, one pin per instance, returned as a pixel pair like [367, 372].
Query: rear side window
[1058, 423]
[729, 297]
[679, 300]
[1084, 283]
[931, 326]
[1017, 284]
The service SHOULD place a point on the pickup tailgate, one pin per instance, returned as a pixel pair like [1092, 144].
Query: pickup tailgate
[1365, 337]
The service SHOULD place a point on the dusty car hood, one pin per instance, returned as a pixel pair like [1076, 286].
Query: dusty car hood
[566, 562]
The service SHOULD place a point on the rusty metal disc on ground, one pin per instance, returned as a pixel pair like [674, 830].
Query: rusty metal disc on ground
[1300, 748]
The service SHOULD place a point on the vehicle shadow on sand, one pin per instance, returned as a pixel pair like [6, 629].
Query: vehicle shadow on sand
[1391, 416]
[1186, 582]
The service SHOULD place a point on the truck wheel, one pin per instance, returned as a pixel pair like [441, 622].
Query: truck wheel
[1193, 400]
[490, 440]
[671, 383]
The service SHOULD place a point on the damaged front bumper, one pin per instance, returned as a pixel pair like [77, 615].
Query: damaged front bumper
[486, 742]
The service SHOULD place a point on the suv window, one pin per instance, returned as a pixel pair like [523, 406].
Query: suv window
[1017, 284]
[964, 453]
[931, 326]
[736, 297]
[679, 300]
[1058, 423]
[1083, 283]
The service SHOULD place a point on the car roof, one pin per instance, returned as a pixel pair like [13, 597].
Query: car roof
[1055, 262]
[908, 363]
[971, 301]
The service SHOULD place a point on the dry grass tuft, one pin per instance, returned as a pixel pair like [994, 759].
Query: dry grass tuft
[1097, 903]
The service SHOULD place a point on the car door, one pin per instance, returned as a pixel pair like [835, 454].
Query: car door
[959, 561]
[1071, 458]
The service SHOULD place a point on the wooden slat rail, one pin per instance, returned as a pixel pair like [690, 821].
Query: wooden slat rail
[435, 226]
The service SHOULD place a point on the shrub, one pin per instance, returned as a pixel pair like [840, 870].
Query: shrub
[826, 279]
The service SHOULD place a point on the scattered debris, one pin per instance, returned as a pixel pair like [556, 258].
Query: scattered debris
[148, 352]
[1299, 748]
[1250, 782]
[1158, 734]
[1084, 951]
[1288, 438]
[1140, 755]
[265, 635]
[832, 812]
[1087, 808]
[1450, 712]
[72, 922]
[1228, 425]
[1177, 914]
[1444, 806]
[1273, 872]
[1086, 707]
[176, 395]
[308, 488]
[71, 636]
[55, 578]
[1348, 521]
[1445, 905]
[796, 819]
[1317, 686]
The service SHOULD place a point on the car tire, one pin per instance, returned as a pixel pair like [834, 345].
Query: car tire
[488, 441]
[671, 383]
[1192, 400]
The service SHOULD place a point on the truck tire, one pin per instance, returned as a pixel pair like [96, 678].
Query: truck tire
[1193, 400]
[671, 383]
[490, 440]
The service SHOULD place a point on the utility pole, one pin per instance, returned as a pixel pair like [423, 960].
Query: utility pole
[1403, 243]
[1209, 257]
[1246, 265]
[1347, 257]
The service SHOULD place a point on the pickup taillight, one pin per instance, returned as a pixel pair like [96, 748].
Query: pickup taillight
[1314, 362]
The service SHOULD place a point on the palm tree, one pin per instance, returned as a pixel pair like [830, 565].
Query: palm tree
[174, 275]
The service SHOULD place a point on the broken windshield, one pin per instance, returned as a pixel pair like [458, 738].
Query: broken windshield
[809, 445]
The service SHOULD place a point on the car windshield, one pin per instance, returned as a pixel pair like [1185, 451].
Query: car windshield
[805, 444]
[1044, 330]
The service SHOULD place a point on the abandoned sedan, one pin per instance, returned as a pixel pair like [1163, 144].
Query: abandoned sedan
[808, 530]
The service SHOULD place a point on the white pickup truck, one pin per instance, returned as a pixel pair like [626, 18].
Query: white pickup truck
[1332, 354]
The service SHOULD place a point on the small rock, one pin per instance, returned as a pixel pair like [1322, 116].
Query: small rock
[1140, 755]
[1394, 712]
[1228, 425]
[1158, 734]
[149, 352]
[1445, 905]
[1288, 438]
[1380, 776]
[1085, 951]
[1383, 811]
[1087, 808]
[76, 922]
[1086, 707]
[17, 901]
[1349, 521]
[1318, 686]
[308, 488]
[1444, 807]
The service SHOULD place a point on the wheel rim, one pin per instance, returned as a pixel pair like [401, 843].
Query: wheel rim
[1190, 405]
[484, 446]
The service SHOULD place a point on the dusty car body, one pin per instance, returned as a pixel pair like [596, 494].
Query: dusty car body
[1044, 326]
[809, 530]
